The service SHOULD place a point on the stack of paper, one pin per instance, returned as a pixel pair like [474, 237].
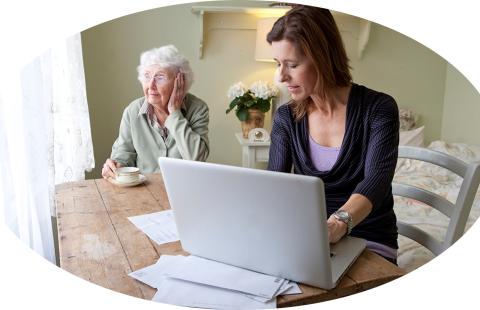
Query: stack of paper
[197, 282]
[158, 226]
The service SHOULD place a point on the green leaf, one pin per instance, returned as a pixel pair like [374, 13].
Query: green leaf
[233, 104]
[242, 114]
[264, 105]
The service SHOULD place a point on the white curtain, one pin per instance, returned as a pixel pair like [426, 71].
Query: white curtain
[45, 140]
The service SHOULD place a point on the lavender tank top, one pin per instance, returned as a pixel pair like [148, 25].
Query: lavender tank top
[323, 157]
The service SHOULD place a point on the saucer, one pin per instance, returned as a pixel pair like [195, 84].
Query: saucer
[141, 179]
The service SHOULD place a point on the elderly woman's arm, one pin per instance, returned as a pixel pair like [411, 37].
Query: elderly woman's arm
[191, 131]
[123, 150]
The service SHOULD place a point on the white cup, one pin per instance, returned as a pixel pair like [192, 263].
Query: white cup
[127, 174]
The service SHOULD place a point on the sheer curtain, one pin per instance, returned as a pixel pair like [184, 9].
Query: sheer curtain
[45, 140]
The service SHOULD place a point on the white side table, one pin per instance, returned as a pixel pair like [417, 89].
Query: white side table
[252, 152]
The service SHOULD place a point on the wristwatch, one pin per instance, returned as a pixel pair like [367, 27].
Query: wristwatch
[345, 217]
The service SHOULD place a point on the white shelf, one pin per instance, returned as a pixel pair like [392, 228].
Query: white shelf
[361, 31]
[200, 11]
[260, 11]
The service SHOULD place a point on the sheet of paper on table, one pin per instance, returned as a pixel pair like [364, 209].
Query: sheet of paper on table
[191, 294]
[209, 272]
[158, 226]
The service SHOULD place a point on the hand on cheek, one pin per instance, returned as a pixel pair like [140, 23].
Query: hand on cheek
[178, 93]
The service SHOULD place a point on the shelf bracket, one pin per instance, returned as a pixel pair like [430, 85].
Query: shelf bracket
[363, 36]
[200, 24]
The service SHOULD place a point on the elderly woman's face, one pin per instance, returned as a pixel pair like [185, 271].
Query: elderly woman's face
[157, 83]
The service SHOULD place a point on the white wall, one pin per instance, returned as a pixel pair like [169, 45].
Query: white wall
[405, 69]
[461, 110]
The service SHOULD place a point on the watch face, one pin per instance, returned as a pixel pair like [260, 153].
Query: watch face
[345, 217]
[342, 214]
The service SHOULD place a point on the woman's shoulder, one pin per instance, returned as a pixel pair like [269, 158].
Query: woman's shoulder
[284, 111]
[283, 116]
[370, 99]
[132, 110]
[135, 106]
[193, 102]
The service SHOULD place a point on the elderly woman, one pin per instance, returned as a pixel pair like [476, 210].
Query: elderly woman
[344, 133]
[166, 122]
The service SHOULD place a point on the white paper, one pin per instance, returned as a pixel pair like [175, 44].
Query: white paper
[208, 272]
[155, 274]
[158, 226]
[292, 289]
[189, 294]
[288, 288]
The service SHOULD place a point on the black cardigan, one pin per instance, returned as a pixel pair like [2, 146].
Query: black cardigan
[365, 165]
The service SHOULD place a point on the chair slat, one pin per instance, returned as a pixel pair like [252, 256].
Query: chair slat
[430, 198]
[434, 157]
[420, 236]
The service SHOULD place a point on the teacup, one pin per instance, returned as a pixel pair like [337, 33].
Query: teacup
[127, 174]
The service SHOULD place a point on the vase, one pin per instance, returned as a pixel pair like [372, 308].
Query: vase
[255, 119]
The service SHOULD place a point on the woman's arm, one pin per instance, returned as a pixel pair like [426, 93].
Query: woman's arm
[191, 135]
[280, 154]
[380, 162]
[358, 206]
[123, 151]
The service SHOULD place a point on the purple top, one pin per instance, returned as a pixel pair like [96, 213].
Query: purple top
[323, 157]
[382, 249]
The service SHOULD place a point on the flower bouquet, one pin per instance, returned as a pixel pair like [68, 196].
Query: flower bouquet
[251, 104]
[259, 96]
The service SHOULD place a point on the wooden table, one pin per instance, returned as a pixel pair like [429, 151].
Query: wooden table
[99, 244]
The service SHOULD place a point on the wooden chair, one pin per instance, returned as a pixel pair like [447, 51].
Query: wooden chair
[458, 212]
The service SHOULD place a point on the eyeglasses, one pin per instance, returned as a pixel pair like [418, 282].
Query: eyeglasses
[158, 78]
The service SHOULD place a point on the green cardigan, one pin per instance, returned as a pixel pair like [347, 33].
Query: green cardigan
[139, 143]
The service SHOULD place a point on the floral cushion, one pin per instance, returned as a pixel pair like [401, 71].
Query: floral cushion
[408, 119]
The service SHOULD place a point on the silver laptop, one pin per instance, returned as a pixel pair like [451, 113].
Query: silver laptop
[270, 222]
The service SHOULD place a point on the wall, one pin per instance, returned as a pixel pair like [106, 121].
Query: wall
[405, 69]
[391, 63]
[461, 109]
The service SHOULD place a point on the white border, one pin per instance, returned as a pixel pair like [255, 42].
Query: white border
[28, 27]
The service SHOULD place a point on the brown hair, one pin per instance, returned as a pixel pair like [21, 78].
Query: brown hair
[314, 33]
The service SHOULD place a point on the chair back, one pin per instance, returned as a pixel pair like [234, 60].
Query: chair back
[457, 212]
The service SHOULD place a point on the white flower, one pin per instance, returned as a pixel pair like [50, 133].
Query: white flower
[264, 90]
[273, 90]
[236, 90]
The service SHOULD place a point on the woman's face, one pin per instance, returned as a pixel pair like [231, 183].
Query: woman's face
[294, 70]
[157, 83]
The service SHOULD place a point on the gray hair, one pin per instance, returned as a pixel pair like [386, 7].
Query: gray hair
[167, 57]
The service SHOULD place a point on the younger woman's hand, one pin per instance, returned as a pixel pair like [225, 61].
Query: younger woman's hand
[336, 229]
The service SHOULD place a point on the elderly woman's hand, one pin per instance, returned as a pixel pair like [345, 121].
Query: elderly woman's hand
[109, 168]
[178, 93]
